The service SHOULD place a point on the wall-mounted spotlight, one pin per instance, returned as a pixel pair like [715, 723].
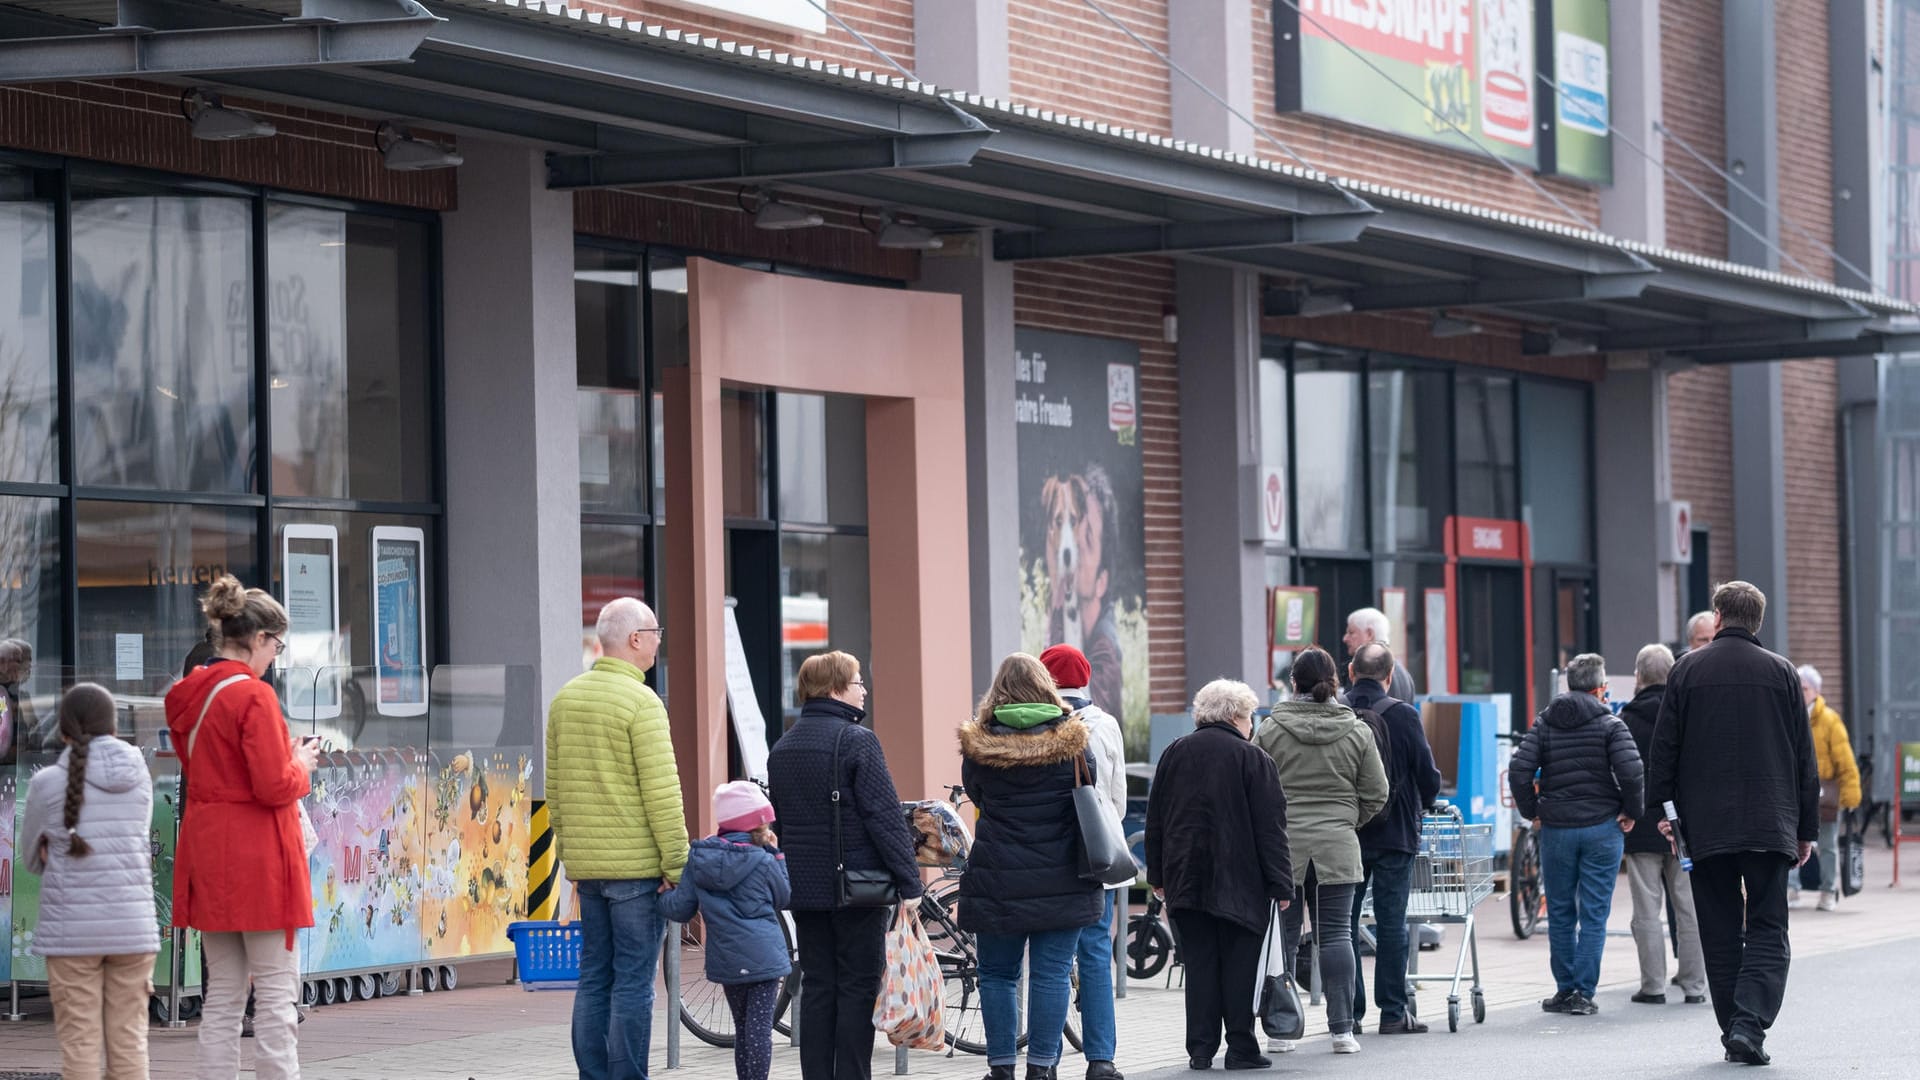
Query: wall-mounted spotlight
[892, 233]
[770, 213]
[1450, 326]
[214, 122]
[1564, 344]
[1313, 305]
[402, 151]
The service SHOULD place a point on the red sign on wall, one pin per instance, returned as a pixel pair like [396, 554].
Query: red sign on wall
[1486, 538]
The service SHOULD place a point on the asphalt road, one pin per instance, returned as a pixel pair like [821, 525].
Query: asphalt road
[1848, 1014]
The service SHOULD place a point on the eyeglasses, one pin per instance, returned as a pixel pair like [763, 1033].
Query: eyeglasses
[859, 683]
[661, 630]
[279, 644]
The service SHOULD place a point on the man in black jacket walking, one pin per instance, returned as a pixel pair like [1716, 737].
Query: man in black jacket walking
[1389, 841]
[1734, 753]
[1589, 795]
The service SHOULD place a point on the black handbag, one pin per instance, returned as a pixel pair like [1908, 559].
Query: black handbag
[855, 888]
[1853, 860]
[1104, 856]
[1281, 1016]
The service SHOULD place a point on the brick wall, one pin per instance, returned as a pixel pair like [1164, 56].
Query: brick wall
[1693, 105]
[705, 220]
[139, 124]
[1061, 55]
[1125, 298]
[886, 23]
[1346, 150]
[1700, 452]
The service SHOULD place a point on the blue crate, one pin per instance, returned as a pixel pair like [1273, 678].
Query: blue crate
[548, 954]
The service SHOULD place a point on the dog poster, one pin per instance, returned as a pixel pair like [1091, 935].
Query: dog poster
[1083, 578]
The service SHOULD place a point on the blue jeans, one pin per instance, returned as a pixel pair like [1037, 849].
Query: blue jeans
[1391, 873]
[1049, 982]
[1579, 867]
[1097, 1034]
[621, 928]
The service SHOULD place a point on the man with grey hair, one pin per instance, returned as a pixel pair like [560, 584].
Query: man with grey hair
[1699, 631]
[1370, 625]
[1588, 795]
[613, 796]
[1734, 753]
[1653, 869]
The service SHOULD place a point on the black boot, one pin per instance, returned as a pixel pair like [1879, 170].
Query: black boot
[999, 1072]
[1042, 1072]
[1103, 1070]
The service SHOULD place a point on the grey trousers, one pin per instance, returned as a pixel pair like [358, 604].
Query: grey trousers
[1652, 880]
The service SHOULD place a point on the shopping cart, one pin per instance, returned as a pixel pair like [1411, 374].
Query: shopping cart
[1452, 873]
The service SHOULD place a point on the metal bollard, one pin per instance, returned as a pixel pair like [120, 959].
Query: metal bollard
[899, 1061]
[670, 955]
[793, 1008]
[13, 1013]
[176, 970]
[1119, 928]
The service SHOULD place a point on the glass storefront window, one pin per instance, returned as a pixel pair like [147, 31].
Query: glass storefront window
[1555, 436]
[1411, 467]
[349, 349]
[142, 568]
[28, 404]
[825, 605]
[823, 458]
[1484, 446]
[30, 617]
[608, 318]
[1274, 418]
[1409, 604]
[1327, 425]
[162, 339]
[743, 453]
[614, 563]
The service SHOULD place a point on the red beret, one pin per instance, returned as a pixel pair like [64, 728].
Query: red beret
[1067, 665]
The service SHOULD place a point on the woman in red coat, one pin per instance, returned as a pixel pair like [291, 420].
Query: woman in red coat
[240, 870]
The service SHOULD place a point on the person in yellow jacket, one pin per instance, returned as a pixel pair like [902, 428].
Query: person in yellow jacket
[613, 796]
[1837, 765]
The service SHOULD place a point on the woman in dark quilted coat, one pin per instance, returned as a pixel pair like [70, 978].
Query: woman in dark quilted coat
[1022, 893]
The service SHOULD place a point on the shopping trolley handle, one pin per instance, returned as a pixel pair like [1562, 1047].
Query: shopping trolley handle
[1440, 808]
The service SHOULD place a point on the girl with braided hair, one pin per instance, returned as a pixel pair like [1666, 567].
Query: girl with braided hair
[86, 832]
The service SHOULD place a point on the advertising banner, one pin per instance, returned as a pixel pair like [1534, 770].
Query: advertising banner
[368, 808]
[1083, 579]
[1574, 41]
[1467, 67]
[478, 825]
[399, 621]
[1296, 617]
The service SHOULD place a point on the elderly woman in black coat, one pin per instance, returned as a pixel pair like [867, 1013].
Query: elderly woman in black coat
[1022, 894]
[1217, 851]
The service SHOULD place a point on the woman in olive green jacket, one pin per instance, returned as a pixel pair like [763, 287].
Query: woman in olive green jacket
[1331, 772]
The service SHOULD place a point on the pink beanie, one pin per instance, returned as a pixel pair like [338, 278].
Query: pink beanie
[741, 806]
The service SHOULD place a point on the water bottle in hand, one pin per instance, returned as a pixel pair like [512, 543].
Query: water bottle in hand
[1679, 840]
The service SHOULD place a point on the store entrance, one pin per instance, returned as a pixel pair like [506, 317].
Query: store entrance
[1344, 585]
[1493, 632]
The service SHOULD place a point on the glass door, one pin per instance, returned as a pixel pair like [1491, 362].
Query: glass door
[1493, 643]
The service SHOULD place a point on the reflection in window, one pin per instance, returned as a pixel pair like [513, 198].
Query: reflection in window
[30, 620]
[608, 305]
[613, 564]
[1485, 447]
[348, 343]
[743, 453]
[27, 400]
[1332, 465]
[823, 458]
[824, 606]
[1559, 502]
[1410, 465]
[142, 568]
[163, 341]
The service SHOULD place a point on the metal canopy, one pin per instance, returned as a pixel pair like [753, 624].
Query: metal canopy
[629, 105]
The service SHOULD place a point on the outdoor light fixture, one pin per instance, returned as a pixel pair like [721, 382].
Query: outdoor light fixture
[897, 234]
[402, 151]
[774, 215]
[1313, 305]
[1559, 344]
[1448, 326]
[215, 122]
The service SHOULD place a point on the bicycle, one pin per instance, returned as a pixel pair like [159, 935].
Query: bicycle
[703, 1005]
[1526, 888]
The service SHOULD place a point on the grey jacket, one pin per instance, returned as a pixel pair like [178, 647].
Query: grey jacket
[100, 904]
[1330, 770]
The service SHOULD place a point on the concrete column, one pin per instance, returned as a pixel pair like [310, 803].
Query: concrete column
[1635, 206]
[1630, 478]
[985, 288]
[513, 464]
[1858, 216]
[1225, 559]
[1212, 39]
[1759, 461]
[962, 44]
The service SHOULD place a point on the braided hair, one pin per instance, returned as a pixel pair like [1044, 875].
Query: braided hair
[86, 712]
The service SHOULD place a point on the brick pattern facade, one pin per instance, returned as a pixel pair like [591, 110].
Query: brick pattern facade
[133, 123]
[886, 23]
[1062, 55]
[1124, 298]
[1693, 106]
[1700, 460]
[712, 222]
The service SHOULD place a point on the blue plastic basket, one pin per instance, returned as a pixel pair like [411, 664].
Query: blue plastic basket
[548, 954]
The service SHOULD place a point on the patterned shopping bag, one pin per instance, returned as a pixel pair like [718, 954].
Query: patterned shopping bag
[908, 1009]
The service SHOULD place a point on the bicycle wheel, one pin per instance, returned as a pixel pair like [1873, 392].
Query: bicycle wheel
[1526, 898]
[703, 1005]
[1148, 947]
[782, 1023]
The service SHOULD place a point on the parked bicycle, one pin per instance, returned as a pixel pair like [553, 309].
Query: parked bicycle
[1526, 889]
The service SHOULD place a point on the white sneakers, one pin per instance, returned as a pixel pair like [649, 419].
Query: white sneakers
[1345, 1043]
[1793, 898]
[1282, 1046]
[1828, 901]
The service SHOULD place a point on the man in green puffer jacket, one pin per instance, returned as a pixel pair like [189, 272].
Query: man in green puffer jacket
[613, 795]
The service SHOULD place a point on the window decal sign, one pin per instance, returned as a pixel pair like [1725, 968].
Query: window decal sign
[399, 621]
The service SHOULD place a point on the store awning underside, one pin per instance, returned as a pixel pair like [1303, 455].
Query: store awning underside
[627, 105]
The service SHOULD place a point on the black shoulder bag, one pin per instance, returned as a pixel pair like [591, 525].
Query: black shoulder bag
[855, 888]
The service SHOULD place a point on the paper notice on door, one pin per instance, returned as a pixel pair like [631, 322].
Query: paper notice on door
[129, 657]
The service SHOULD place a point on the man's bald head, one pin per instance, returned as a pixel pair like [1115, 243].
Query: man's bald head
[629, 630]
[1373, 661]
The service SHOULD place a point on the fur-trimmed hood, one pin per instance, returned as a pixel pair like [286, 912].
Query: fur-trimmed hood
[1000, 747]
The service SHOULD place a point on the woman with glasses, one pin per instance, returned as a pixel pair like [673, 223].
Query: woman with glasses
[240, 870]
[842, 950]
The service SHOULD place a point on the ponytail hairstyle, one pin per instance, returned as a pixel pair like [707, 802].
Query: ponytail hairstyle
[236, 613]
[1314, 675]
[86, 713]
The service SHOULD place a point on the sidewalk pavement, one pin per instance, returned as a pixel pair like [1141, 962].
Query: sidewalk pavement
[491, 1029]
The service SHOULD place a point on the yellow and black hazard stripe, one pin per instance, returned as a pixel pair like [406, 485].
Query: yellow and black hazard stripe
[540, 865]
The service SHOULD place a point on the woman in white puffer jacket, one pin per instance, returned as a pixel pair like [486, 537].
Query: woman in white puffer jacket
[87, 830]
